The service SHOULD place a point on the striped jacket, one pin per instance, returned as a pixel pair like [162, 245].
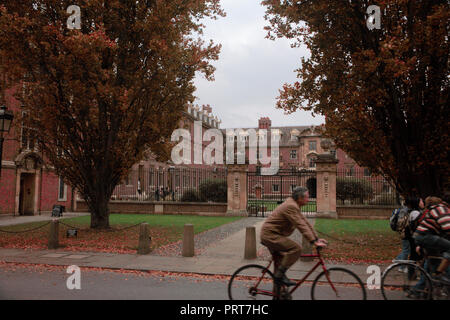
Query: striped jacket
[436, 221]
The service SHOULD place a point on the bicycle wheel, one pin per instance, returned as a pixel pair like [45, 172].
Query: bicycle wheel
[251, 282]
[405, 281]
[338, 284]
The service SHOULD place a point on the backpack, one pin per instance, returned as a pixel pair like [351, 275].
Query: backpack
[403, 225]
[419, 219]
[399, 219]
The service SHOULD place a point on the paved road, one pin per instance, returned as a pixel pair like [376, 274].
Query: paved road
[37, 282]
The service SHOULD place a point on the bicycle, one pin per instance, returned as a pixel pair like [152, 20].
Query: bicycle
[254, 281]
[416, 283]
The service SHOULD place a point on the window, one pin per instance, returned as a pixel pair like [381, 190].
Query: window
[312, 146]
[141, 173]
[293, 186]
[27, 140]
[293, 154]
[62, 190]
[258, 170]
[177, 180]
[129, 178]
[161, 178]
[366, 172]
[351, 172]
[185, 180]
[275, 187]
[151, 181]
[194, 179]
[261, 154]
[276, 153]
[312, 162]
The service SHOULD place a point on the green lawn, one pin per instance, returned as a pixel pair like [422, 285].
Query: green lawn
[164, 230]
[272, 204]
[201, 223]
[356, 226]
[359, 240]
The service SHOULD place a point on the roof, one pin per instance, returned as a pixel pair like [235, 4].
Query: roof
[286, 133]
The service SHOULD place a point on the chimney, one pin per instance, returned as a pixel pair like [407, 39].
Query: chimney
[207, 108]
[264, 123]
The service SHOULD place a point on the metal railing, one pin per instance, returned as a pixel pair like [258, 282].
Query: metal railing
[173, 184]
[359, 187]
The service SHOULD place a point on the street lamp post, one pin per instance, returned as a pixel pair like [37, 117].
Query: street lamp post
[6, 118]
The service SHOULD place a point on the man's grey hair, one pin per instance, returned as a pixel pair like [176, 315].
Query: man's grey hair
[299, 192]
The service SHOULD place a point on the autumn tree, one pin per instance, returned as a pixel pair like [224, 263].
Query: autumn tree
[101, 96]
[384, 92]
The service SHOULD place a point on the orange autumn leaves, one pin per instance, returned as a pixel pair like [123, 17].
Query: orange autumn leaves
[384, 93]
[102, 97]
[113, 241]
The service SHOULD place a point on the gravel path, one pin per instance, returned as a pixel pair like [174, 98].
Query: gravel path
[210, 237]
[207, 238]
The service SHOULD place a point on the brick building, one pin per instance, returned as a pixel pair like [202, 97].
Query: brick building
[28, 186]
[148, 175]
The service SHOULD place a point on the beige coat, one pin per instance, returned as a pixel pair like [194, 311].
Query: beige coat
[284, 220]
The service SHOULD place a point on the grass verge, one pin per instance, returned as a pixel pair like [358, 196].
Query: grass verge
[163, 230]
[353, 241]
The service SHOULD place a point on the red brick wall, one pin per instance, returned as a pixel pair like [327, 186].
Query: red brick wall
[7, 191]
[50, 188]
[181, 208]
[11, 149]
[364, 212]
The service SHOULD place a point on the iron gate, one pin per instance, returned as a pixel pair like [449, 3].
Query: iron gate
[265, 193]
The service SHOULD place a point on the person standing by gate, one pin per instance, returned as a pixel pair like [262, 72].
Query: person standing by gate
[280, 225]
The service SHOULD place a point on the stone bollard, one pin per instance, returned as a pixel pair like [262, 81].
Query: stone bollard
[188, 240]
[144, 239]
[250, 243]
[53, 238]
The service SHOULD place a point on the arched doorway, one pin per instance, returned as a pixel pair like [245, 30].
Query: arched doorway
[258, 192]
[29, 166]
[311, 184]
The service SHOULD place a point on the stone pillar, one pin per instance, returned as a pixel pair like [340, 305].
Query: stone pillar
[53, 238]
[326, 165]
[237, 189]
[188, 241]
[144, 239]
[250, 243]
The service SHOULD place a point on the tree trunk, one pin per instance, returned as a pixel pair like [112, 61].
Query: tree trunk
[100, 213]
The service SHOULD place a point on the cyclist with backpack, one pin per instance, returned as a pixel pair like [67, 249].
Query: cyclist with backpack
[433, 233]
[403, 221]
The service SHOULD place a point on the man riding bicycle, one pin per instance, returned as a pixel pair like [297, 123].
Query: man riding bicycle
[280, 225]
[433, 233]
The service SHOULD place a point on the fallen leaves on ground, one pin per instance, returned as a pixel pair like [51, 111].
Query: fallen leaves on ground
[114, 240]
[162, 275]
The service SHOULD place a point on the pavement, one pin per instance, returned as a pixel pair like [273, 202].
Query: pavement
[220, 258]
[10, 219]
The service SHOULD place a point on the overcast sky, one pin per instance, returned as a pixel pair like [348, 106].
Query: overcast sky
[250, 69]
